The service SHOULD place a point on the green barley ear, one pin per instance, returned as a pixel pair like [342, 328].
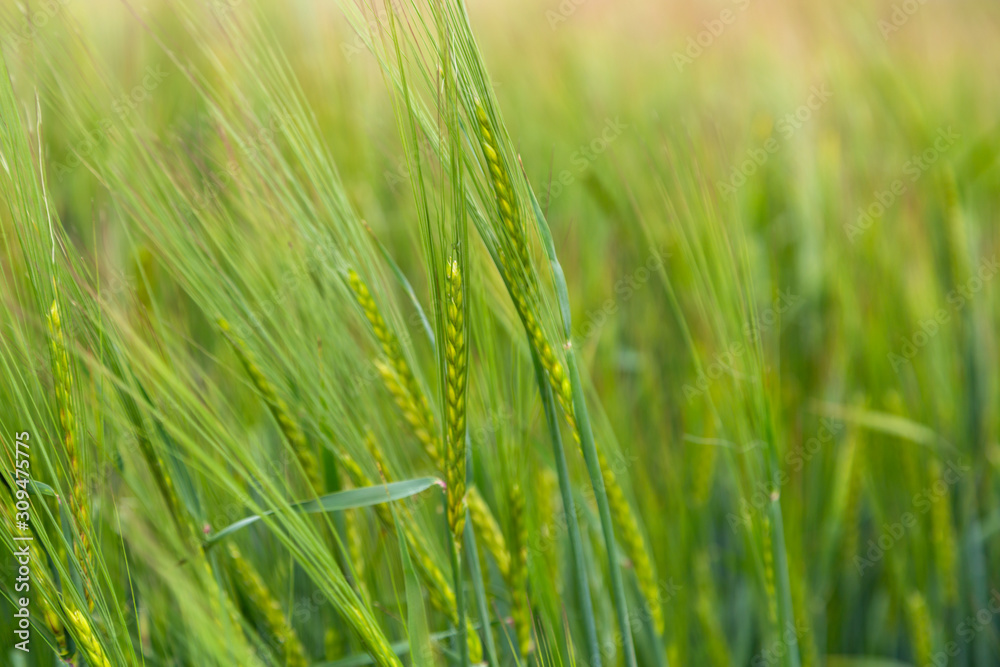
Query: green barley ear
[63, 380]
[518, 573]
[507, 206]
[622, 515]
[377, 646]
[55, 626]
[943, 537]
[47, 594]
[264, 602]
[456, 373]
[488, 530]
[355, 549]
[406, 392]
[633, 543]
[279, 409]
[439, 591]
[397, 375]
[390, 346]
[416, 412]
[919, 621]
[86, 639]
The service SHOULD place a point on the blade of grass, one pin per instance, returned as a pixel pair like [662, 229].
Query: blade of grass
[421, 653]
[336, 502]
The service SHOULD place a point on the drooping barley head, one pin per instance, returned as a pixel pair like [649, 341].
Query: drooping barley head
[261, 599]
[518, 573]
[279, 409]
[507, 206]
[439, 591]
[62, 375]
[86, 638]
[488, 530]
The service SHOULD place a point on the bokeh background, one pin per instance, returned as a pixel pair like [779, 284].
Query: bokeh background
[820, 179]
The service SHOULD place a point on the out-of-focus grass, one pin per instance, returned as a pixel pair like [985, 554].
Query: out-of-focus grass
[777, 227]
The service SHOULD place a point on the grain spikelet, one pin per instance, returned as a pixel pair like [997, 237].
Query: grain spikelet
[86, 639]
[63, 378]
[279, 409]
[416, 411]
[488, 531]
[442, 597]
[943, 536]
[518, 579]
[919, 621]
[268, 607]
[456, 353]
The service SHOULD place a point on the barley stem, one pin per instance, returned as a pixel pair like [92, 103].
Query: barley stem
[569, 510]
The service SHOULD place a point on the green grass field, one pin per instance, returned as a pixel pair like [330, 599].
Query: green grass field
[544, 334]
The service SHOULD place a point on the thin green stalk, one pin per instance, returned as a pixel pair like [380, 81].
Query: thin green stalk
[604, 510]
[587, 436]
[569, 509]
[786, 614]
[479, 590]
[456, 569]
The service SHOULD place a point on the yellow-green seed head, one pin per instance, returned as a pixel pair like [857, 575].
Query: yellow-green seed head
[63, 381]
[279, 409]
[456, 374]
[488, 530]
[269, 609]
[86, 639]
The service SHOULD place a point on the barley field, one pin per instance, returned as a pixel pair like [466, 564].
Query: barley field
[454, 332]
